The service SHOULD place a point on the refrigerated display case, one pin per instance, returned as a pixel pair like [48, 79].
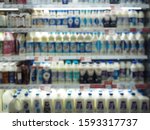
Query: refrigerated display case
[74, 56]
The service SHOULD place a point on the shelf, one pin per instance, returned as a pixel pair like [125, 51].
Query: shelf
[75, 6]
[48, 29]
[121, 85]
[86, 58]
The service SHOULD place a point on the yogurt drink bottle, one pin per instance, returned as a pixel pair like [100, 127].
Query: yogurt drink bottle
[116, 74]
[76, 73]
[68, 72]
[133, 18]
[125, 44]
[140, 40]
[141, 70]
[51, 44]
[37, 41]
[58, 44]
[73, 44]
[37, 104]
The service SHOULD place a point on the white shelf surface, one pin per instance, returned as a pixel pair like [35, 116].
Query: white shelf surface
[81, 57]
[76, 6]
[96, 29]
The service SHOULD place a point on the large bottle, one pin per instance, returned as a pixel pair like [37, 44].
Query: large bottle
[140, 41]
[103, 48]
[116, 75]
[133, 18]
[88, 44]
[68, 72]
[97, 73]
[110, 48]
[104, 71]
[29, 44]
[75, 70]
[61, 72]
[141, 19]
[73, 44]
[110, 71]
[122, 71]
[58, 44]
[47, 103]
[134, 71]
[43, 44]
[37, 104]
[54, 72]
[83, 73]
[33, 74]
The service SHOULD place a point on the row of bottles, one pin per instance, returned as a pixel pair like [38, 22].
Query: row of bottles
[74, 19]
[87, 101]
[71, 72]
[46, 44]
[74, 1]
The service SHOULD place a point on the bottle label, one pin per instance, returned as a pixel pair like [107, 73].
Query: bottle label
[64, 22]
[69, 76]
[37, 47]
[112, 106]
[59, 47]
[65, 1]
[70, 22]
[58, 106]
[110, 47]
[37, 106]
[123, 106]
[89, 106]
[73, 47]
[47, 107]
[102, 47]
[11, 77]
[61, 76]
[134, 107]
[76, 22]
[69, 106]
[22, 49]
[40, 71]
[30, 47]
[81, 47]
[44, 47]
[126, 46]
[104, 75]
[79, 106]
[141, 75]
[95, 47]
[83, 22]
[8, 47]
[141, 21]
[26, 107]
[59, 22]
[96, 22]
[135, 75]
[144, 107]
[88, 47]
[133, 21]
[51, 47]
[39, 22]
[34, 75]
[34, 22]
[52, 22]
[116, 74]
[66, 47]
[100, 106]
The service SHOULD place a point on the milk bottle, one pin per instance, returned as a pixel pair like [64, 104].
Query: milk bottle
[90, 73]
[40, 73]
[134, 71]
[125, 44]
[100, 102]
[79, 102]
[133, 44]
[7, 97]
[89, 102]
[120, 19]
[104, 72]
[143, 104]
[117, 41]
[73, 44]
[58, 44]
[141, 70]
[88, 44]
[133, 18]
[47, 103]
[116, 74]
[83, 73]
[81, 43]
[12, 72]
[95, 44]
[98, 72]
[110, 71]
[33, 74]
[66, 43]
[37, 104]
[5, 74]
[69, 102]
[128, 71]
[111, 103]
[122, 103]
[103, 45]
[54, 69]
[140, 41]
[26, 103]
[15, 105]
[68, 72]
[3, 19]
[83, 19]
[59, 101]
[122, 71]
[51, 44]
[61, 72]
[75, 70]
[125, 19]
[29, 44]
[109, 45]
[37, 42]
[141, 18]
[133, 103]
[43, 44]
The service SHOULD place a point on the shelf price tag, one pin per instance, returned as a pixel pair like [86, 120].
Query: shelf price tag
[85, 59]
[141, 86]
[133, 30]
[97, 86]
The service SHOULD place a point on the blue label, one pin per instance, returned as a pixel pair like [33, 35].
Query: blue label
[39, 21]
[51, 47]
[69, 106]
[104, 75]
[34, 22]
[66, 47]
[73, 47]
[134, 106]
[37, 48]
[58, 106]
[30, 47]
[116, 74]
[79, 106]
[34, 75]
[88, 47]
[52, 22]
[59, 22]
[96, 22]
[64, 21]
[81, 47]
[133, 21]
[59, 47]
[26, 107]
[123, 106]
[96, 47]
[77, 22]
[11, 77]
[112, 106]
[43, 47]
[100, 105]
[141, 20]
[70, 22]
[83, 22]
[69, 76]
[37, 106]
[65, 1]
[89, 105]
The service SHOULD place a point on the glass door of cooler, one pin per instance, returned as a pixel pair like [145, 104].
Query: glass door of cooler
[75, 56]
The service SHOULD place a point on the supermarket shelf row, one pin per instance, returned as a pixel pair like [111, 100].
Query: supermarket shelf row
[49, 29]
[121, 85]
[86, 58]
[75, 6]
